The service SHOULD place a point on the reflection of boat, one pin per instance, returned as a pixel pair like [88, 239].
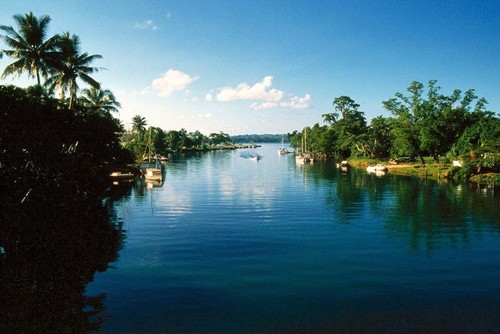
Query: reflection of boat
[153, 183]
[376, 168]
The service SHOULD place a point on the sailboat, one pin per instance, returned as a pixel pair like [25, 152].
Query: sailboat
[304, 156]
[152, 173]
[282, 150]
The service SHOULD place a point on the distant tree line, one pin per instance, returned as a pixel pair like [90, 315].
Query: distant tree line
[140, 137]
[255, 138]
[424, 122]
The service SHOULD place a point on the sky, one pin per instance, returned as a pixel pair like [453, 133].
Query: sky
[274, 66]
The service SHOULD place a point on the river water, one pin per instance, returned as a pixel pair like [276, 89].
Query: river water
[231, 245]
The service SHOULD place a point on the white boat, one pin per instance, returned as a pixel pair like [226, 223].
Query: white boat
[255, 157]
[376, 168]
[342, 164]
[117, 176]
[282, 150]
[304, 157]
[154, 174]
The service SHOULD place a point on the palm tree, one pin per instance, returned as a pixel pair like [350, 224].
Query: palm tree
[33, 53]
[138, 124]
[100, 100]
[70, 66]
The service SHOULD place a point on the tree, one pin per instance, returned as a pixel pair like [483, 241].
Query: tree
[100, 100]
[409, 113]
[430, 125]
[29, 46]
[349, 127]
[173, 140]
[379, 137]
[139, 124]
[219, 138]
[71, 65]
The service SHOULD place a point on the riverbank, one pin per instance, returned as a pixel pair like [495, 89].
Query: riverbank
[431, 170]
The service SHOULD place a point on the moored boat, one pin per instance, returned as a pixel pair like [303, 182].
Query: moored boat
[376, 168]
[153, 174]
[119, 176]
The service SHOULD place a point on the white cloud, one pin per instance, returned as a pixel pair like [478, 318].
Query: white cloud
[263, 95]
[294, 103]
[171, 81]
[264, 105]
[297, 102]
[260, 91]
[147, 24]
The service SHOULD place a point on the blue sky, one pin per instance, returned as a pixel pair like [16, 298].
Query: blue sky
[273, 66]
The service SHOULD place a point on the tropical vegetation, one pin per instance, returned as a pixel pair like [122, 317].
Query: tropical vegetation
[424, 123]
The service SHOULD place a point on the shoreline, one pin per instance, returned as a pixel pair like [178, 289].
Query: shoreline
[436, 171]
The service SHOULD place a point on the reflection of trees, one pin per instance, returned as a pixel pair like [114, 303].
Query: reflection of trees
[427, 213]
[56, 234]
[53, 248]
[431, 214]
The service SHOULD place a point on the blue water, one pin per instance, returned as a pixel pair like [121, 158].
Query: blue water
[231, 245]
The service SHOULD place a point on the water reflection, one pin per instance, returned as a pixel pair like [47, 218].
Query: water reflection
[433, 215]
[235, 246]
[430, 214]
[53, 248]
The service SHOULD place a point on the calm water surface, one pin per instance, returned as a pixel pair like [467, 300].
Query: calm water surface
[228, 244]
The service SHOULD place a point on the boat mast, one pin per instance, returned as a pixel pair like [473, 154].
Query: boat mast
[149, 144]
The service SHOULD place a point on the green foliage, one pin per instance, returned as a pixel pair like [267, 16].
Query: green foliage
[219, 138]
[255, 138]
[48, 147]
[54, 168]
[29, 47]
[429, 125]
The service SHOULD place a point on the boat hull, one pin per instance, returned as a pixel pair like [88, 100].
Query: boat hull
[153, 174]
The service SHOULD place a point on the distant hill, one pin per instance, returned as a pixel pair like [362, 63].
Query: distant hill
[254, 138]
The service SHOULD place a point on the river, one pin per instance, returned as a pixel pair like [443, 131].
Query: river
[231, 245]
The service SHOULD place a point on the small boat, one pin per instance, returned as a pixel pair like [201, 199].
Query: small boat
[255, 157]
[303, 158]
[282, 150]
[153, 174]
[376, 168]
[119, 176]
[342, 164]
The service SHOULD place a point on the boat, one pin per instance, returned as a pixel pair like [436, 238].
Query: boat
[254, 156]
[304, 156]
[153, 174]
[282, 150]
[119, 176]
[376, 168]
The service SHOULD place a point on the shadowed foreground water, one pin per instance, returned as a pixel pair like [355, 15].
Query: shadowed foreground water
[227, 244]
